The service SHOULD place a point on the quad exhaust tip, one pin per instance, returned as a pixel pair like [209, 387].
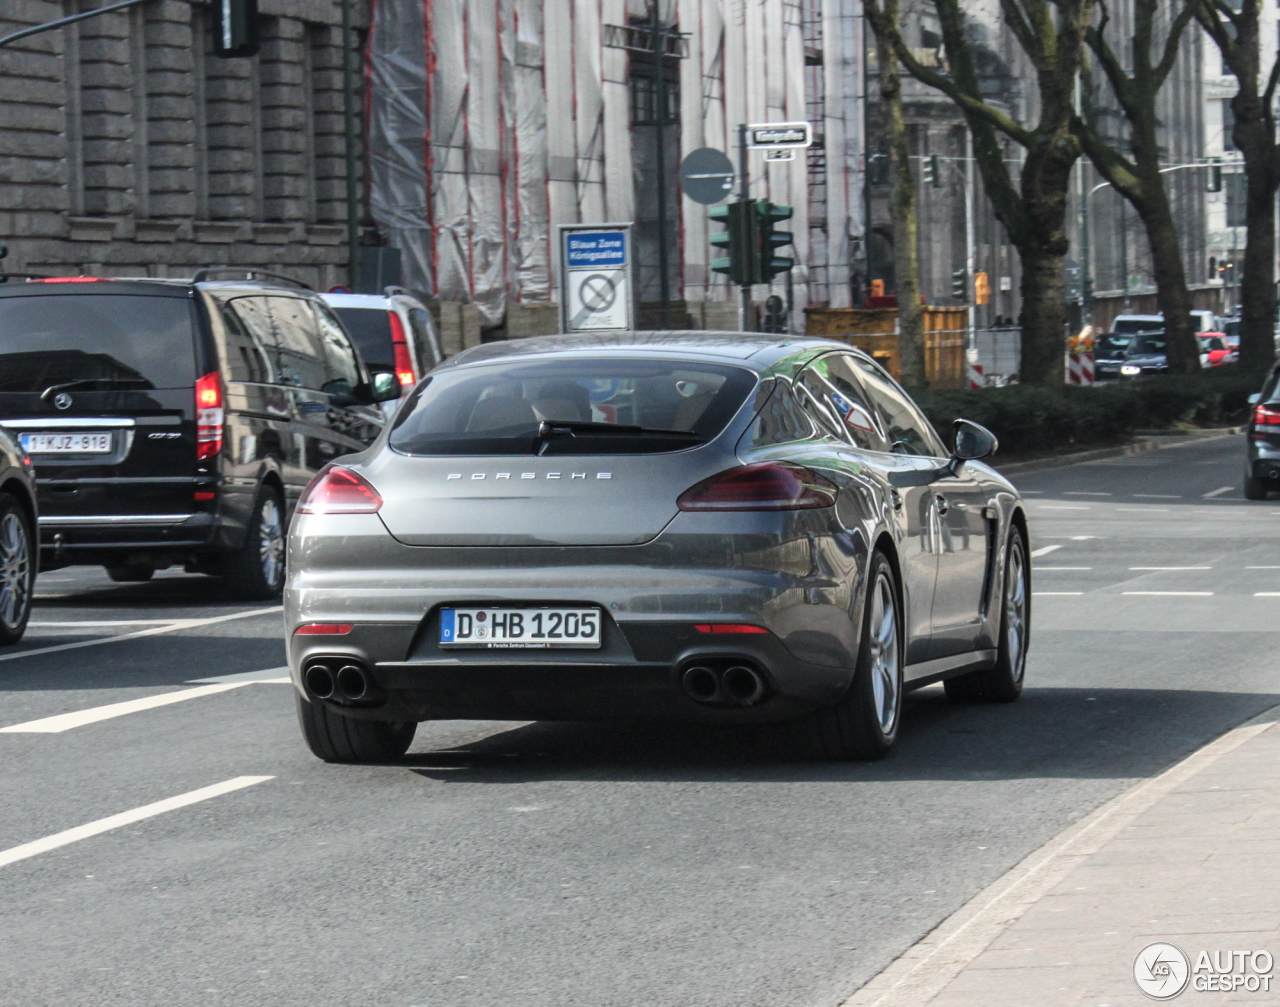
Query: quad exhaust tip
[735, 685]
[352, 682]
[319, 681]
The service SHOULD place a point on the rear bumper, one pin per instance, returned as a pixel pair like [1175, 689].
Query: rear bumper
[652, 596]
[80, 538]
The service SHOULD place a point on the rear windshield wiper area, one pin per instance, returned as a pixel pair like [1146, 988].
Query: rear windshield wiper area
[139, 383]
[567, 437]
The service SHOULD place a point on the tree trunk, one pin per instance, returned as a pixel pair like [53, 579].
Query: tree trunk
[902, 211]
[1044, 315]
[1171, 278]
[1257, 287]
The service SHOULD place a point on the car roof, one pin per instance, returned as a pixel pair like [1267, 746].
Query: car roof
[150, 285]
[754, 349]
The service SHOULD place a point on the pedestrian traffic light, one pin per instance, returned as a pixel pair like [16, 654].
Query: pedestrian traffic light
[960, 285]
[235, 28]
[739, 239]
[1214, 181]
[770, 239]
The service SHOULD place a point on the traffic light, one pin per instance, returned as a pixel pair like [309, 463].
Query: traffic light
[1214, 181]
[770, 265]
[960, 285]
[235, 28]
[739, 239]
[927, 168]
[935, 170]
[775, 314]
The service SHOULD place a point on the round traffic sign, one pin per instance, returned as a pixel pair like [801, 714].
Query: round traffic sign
[598, 292]
[707, 176]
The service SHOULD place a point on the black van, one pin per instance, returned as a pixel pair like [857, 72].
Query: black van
[178, 421]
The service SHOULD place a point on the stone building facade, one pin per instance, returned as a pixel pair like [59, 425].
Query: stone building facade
[128, 149]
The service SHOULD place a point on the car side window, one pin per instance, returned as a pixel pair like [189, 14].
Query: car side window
[780, 420]
[906, 429]
[340, 358]
[299, 356]
[247, 356]
[420, 323]
[830, 381]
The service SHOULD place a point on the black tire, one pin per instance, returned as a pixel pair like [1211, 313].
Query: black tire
[129, 574]
[864, 724]
[256, 572]
[1002, 683]
[18, 563]
[1254, 489]
[336, 738]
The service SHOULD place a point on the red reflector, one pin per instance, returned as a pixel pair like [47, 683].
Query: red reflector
[728, 627]
[205, 495]
[323, 629]
[1264, 417]
[764, 486]
[66, 279]
[338, 490]
[400, 346]
[208, 416]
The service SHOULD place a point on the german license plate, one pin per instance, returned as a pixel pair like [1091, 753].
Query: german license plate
[66, 444]
[517, 628]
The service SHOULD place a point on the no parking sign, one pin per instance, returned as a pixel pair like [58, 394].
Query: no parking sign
[595, 277]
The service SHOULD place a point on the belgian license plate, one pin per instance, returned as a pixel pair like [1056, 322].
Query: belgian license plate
[517, 628]
[66, 444]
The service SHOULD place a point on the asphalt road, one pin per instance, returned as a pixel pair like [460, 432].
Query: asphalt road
[558, 864]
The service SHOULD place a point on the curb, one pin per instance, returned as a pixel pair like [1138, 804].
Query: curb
[925, 969]
[1149, 442]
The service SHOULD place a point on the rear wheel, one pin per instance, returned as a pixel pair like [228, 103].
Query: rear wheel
[864, 724]
[1254, 489]
[17, 570]
[1002, 683]
[257, 570]
[336, 738]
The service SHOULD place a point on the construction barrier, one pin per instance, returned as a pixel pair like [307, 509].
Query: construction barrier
[874, 331]
[1079, 368]
[976, 379]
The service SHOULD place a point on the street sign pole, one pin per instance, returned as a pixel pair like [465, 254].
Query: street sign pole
[744, 193]
[660, 117]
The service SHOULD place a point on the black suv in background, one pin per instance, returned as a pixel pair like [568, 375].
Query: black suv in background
[177, 421]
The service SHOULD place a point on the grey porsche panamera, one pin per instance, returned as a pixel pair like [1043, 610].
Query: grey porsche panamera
[717, 526]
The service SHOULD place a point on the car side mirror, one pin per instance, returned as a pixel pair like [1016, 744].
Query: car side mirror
[1255, 398]
[972, 441]
[386, 386]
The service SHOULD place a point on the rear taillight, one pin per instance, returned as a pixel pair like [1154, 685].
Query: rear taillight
[717, 628]
[1264, 417]
[400, 346]
[339, 490]
[65, 279]
[208, 416]
[764, 486]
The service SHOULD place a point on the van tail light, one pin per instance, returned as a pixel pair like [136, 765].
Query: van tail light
[764, 486]
[339, 490]
[209, 416]
[400, 346]
[1265, 417]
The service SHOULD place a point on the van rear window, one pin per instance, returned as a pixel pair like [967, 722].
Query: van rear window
[98, 341]
[370, 330]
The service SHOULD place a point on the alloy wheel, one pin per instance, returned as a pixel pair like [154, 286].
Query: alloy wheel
[271, 540]
[15, 570]
[885, 679]
[1015, 610]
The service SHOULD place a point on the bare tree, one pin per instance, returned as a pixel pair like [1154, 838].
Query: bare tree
[1033, 210]
[1237, 36]
[1136, 176]
[902, 211]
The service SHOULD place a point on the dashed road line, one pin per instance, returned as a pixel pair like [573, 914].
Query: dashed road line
[169, 627]
[1266, 594]
[1217, 493]
[1170, 568]
[1064, 507]
[65, 838]
[1156, 496]
[1172, 594]
[1084, 493]
[1144, 510]
[1051, 594]
[101, 623]
[1044, 550]
[1060, 569]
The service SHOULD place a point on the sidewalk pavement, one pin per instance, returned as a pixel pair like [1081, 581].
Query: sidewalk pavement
[1191, 858]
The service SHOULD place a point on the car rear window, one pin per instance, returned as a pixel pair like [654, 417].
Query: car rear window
[370, 330]
[98, 341]
[1149, 344]
[1128, 326]
[571, 406]
[1112, 345]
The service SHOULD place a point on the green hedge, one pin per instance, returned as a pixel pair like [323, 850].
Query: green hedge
[1032, 420]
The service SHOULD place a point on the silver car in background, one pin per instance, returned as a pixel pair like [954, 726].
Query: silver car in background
[716, 526]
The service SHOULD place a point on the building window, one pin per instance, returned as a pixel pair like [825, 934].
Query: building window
[1237, 199]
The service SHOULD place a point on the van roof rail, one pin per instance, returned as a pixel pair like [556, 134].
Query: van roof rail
[208, 271]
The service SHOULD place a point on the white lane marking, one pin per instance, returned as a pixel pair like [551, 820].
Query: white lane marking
[1266, 594]
[1145, 510]
[66, 721]
[1044, 550]
[269, 675]
[1170, 568]
[100, 623]
[1173, 594]
[1055, 593]
[1059, 569]
[69, 836]
[922, 972]
[1156, 496]
[1262, 568]
[1084, 493]
[1027, 492]
[1082, 538]
[172, 627]
[1217, 493]
[1063, 506]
